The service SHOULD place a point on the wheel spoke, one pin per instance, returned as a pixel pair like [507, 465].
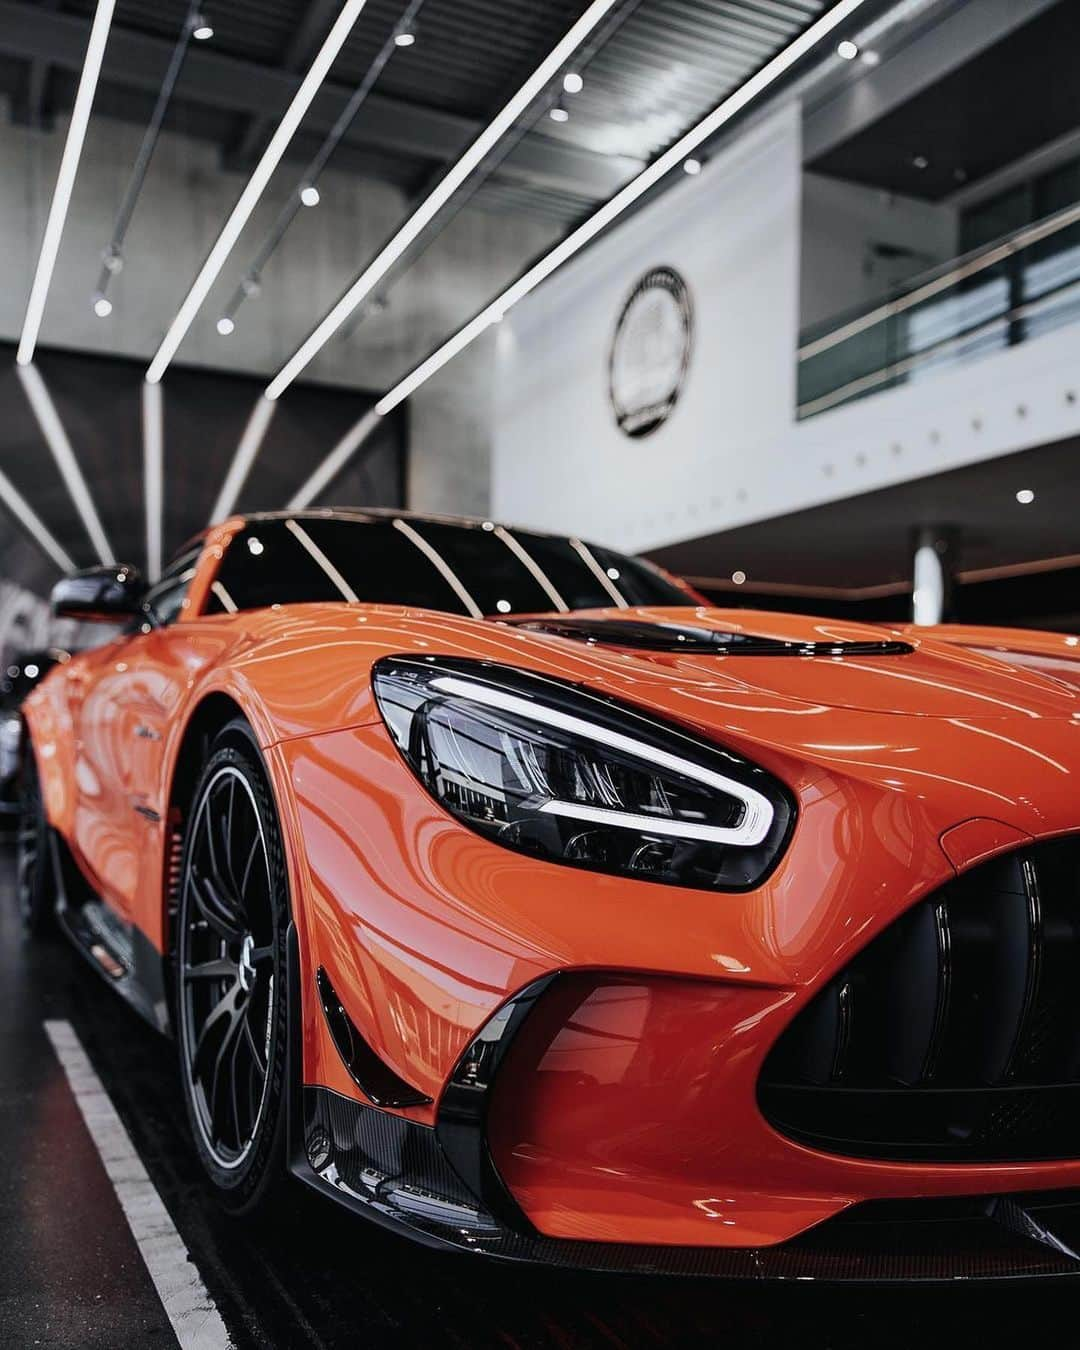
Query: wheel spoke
[234, 1090]
[225, 1010]
[250, 863]
[220, 968]
[214, 908]
[253, 1045]
[220, 1069]
[227, 837]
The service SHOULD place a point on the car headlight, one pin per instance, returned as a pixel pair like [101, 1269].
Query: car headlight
[547, 768]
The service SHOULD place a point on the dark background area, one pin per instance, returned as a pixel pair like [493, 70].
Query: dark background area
[99, 401]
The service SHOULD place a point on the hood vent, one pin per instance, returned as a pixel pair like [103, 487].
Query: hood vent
[678, 637]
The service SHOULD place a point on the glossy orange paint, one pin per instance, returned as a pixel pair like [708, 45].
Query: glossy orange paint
[627, 1109]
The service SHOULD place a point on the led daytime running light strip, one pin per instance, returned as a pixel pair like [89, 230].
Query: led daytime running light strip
[758, 813]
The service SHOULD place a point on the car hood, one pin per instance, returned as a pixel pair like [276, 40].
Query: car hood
[827, 663]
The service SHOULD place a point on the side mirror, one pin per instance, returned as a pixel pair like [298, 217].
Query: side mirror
[107, 594]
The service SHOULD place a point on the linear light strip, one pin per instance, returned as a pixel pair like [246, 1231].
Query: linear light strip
[586, 556]
[255, 187]
[625, 198]
[529, 562]
[65, 180]
[225, 598]
[758, 813]
[441, 565]
[335, 460]
[476, 153]
[611, 210]
[48, 419]
[323, 562]
[32, 523]
[153, 428]
[262, 414]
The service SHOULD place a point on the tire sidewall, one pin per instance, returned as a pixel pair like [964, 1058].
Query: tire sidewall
[250, 1183]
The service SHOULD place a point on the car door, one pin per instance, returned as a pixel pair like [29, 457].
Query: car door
[127, 693]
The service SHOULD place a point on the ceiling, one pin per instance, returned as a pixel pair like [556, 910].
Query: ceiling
[652, 69]
[1013, 98]
[867, 541]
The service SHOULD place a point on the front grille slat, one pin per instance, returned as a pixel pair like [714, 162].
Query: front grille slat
[962, 1040]
[943, 990]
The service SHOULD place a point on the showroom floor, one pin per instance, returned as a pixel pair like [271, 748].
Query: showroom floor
[71, 1274]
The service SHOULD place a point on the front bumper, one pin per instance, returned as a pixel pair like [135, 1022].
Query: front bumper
[393, 1171]
[454, 1185]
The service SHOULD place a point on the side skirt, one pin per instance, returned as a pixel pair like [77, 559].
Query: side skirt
[121, 953]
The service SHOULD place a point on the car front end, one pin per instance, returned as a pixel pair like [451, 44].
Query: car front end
[589, 1013]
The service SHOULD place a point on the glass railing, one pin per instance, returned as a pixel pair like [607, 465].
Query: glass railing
[998, 296]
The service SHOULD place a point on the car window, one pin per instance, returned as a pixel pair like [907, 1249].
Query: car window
[165, 599]
[460, 569]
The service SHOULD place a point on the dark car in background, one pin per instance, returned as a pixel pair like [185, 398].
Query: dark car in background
[17, 678]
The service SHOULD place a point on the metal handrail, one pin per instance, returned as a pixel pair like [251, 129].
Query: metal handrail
[973, 264]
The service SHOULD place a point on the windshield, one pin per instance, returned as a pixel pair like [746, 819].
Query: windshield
[463, 569]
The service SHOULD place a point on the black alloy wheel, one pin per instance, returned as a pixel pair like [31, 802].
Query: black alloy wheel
[231, 985]
[32, 875]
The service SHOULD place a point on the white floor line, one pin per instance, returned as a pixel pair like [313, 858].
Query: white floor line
[192, 1312]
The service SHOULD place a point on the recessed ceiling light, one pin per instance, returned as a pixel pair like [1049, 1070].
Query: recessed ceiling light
[739, 578]
[102, 307]
[692, 167]
[225, 325]
[404, 39]
[309, 195]
[572, 82]
[847, 50]
[920, 162]
[559, 115]
[1025, 496]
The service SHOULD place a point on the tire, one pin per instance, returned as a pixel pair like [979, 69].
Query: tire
[33, 875]
[231, 985]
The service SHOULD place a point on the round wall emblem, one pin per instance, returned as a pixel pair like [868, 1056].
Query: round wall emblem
[650, 352]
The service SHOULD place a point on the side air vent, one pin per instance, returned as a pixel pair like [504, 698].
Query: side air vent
[955, 1035]
[375, 1079]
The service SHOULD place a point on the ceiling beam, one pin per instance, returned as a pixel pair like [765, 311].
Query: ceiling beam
[138, 61]
[315, 23]
[30, 106]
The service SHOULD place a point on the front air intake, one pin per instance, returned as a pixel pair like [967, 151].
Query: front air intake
[955, 1035]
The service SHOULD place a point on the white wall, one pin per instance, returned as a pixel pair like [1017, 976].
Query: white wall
[732, 452]
[560, 460]
[841, 224]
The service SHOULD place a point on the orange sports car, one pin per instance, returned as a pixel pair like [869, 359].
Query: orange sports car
[496, 886]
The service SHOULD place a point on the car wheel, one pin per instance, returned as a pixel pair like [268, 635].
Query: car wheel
[231, 985]
[33, 881]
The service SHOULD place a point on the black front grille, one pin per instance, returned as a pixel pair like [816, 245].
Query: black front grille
[955, 1035]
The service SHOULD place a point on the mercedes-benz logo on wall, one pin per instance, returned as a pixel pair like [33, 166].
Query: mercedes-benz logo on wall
[651, 351]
